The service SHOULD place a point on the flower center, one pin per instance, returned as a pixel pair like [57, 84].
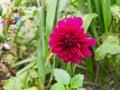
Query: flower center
[70, 40]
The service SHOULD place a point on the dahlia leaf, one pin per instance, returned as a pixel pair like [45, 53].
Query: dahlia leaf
[76, 81]
[110, 46]
[87, 20]
[58, 86]
[61, 76]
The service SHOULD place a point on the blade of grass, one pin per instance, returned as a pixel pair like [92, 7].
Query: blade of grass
[94, 84]
[89, 6]
[18, 30]
[92, 26]
[87, 20]
[41, 46]
[114, 25]
[97, 4]
[90, 68]
[81, 4]
[50, 18]
[106, 4]
[25, 61]
[28, 67]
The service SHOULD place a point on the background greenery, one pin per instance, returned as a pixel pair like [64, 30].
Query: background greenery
[37, 68]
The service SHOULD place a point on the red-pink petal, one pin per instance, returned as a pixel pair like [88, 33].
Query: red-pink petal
[86, 52]
[75, 60]
[61, 24]
[70, 23]
[89, 41]
[78, 22]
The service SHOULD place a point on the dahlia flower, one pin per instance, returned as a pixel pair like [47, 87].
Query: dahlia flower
[69, 41]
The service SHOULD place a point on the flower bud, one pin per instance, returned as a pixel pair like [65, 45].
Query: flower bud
[15, 10]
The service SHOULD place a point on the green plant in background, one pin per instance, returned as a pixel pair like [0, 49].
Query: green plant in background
[37, 68]
[109, 47]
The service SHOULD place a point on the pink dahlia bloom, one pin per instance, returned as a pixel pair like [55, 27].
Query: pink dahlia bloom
[69, 41]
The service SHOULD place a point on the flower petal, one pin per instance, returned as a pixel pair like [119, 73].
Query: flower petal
[86, 52]
[61, 24]
[91, 41]
[75, 60]
[88, 42]
[78, 22]
[70, 23]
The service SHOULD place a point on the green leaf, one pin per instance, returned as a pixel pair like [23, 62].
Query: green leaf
[118, 2]
[26, 68]
[110, 46]
[58, 86]
[25, 61]
[2, 37]
[61, 76]
[35, 12]
[76, 81]
[48, 68]
[17, 3]
[15, 83]
[87, 20]
[34, 74]
[1, 10]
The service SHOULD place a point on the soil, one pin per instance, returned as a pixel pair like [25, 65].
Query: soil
[6, 71]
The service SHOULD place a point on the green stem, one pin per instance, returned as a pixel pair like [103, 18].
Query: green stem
[109, 28]
[18, 30]
[6, 28]
[74, 68]
[68, 66]
[52, 73]
[94, 84]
